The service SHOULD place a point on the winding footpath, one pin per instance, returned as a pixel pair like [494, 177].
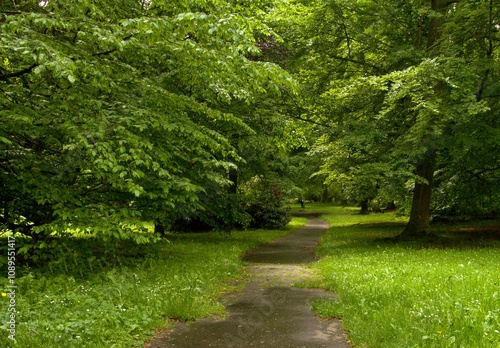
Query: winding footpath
[269, 311]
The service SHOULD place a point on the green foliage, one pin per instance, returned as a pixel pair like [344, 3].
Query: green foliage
[264, 202]
[222, 212]
[384, 95]
[303, 173]
[431, 294]
[114, 113]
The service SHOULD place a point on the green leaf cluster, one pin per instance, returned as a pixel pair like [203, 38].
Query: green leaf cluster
[113, 113]
[386, 93]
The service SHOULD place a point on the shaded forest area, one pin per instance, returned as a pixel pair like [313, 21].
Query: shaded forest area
[215, 114]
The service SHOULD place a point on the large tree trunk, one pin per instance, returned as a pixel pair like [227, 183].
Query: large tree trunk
[436, 25]
[324, 195]
[420, 209]
[390, 206]
[364, 207]
[233, 177]
[159, 228]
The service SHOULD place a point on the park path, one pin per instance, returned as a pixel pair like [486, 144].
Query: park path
[269, 311]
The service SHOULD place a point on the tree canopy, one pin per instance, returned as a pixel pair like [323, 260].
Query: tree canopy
[401, 88]
[114, 113]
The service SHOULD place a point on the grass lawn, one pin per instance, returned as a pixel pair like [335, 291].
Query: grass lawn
[443, 293]
[86, 297]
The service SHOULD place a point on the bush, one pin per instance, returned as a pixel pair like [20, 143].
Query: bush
[266, 207]
[260, 205]
[222, 211]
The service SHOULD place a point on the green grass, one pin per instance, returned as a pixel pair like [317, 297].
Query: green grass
[442, 293]
[87, 297]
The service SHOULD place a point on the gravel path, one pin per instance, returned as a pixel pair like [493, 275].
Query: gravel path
[269, 311]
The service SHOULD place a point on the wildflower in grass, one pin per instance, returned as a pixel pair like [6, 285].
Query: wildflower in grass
[439, 333]
[4, 294]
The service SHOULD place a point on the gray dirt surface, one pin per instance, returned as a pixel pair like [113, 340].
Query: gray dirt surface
[269, 311]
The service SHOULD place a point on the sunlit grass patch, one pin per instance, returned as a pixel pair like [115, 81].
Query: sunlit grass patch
[89, 297]
[409, 294]
[297, 222]
[320, 208]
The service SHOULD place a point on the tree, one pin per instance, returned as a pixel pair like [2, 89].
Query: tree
[439, 29]
[396, 84]
[110, 113]
[420, 209]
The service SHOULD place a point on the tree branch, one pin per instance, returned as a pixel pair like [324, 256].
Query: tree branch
[345, 59]
[481, 172]
[348, 39]
[7, 76]
[11, 12]
[104, 53]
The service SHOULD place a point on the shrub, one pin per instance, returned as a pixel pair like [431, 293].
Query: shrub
[265, 204]
[222, 211]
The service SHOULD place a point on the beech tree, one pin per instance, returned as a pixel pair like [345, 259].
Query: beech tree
[110, 112]
[397, 84]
